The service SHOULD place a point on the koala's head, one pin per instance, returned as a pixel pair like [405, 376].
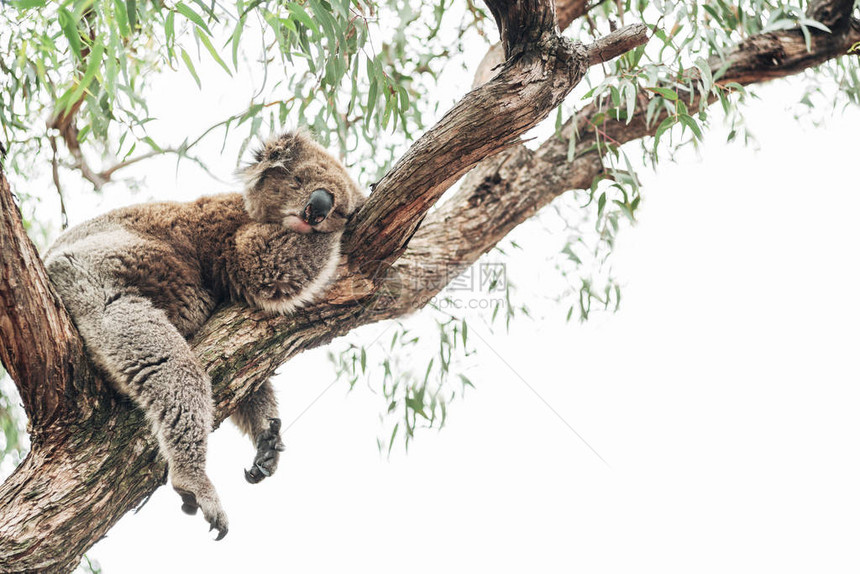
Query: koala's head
[295, 182]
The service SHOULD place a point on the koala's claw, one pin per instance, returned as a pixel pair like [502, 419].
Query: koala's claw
[222, 530]
[269, 446]
[212, 511]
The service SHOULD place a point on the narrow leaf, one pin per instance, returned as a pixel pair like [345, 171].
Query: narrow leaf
[665, 92]
[193, 16]
[188, 64]
[211, 49]
[69, 26]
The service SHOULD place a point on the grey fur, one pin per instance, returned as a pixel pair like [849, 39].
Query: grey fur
[139, 281]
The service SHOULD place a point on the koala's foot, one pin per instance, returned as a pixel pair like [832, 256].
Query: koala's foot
[269, 447]
[203, 496]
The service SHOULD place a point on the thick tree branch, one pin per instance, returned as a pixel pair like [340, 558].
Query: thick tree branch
[484, 122]
[835, 14]
[39, 346]
[760, 58]
[523, 23]
[566, 11]
[542, 69]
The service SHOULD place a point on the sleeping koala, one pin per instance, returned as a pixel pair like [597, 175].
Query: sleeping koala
[140, 281]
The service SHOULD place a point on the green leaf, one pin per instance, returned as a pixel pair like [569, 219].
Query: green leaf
[299, 14]
[237, 35]
[391, 439]
[27, 4]
[779, 24]
[615, 96]
[207, 9]
[707, 78]
[466, 382]
[193, 16]
[151, 143]
[327, 22]
[121, 18]
[371, 99]
[93, 64]
[131, 10]
[634, 181]
[691, 123]
[169, 34]
[188, 64]
[664, 92]
[661, 129]
[630, 92]
[69, 26]
[814, 24]
[736, 86]
[211, 49]
[807, 37]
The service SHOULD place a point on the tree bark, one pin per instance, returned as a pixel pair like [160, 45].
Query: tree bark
[93, 458]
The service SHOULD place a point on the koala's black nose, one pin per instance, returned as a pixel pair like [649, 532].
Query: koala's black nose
[318, 207]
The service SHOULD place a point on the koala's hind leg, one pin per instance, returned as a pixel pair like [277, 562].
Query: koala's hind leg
[257, 417]
[147, 358]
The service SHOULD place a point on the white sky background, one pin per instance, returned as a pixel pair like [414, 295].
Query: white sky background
[723, 394]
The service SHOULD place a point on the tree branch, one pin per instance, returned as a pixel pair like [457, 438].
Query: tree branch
[617, 43]
[55, 175]
[40, 347]
[566, 11]
[835, 14]
[511, 187]
[522, 23]
[484, 122]
[542, 70]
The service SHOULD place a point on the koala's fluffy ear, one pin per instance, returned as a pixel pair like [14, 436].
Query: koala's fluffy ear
[278, 151]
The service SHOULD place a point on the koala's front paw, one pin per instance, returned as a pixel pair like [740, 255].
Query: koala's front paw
[269, 447]
[205, 498]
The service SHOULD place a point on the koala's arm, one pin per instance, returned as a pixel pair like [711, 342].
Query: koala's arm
[257, 417]
[279, 270]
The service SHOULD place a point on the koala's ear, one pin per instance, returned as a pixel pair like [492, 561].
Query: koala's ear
[278, 151]
[282, 149]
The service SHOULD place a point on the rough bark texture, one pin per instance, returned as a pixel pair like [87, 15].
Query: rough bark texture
[93, 458]
[35, 330]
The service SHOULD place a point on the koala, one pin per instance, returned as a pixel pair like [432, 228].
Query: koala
[140, 281]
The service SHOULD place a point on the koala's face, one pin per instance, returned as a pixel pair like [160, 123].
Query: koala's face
[296, 183]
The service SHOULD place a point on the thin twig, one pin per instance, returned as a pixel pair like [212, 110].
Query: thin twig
[55, 173]
[106, 174]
